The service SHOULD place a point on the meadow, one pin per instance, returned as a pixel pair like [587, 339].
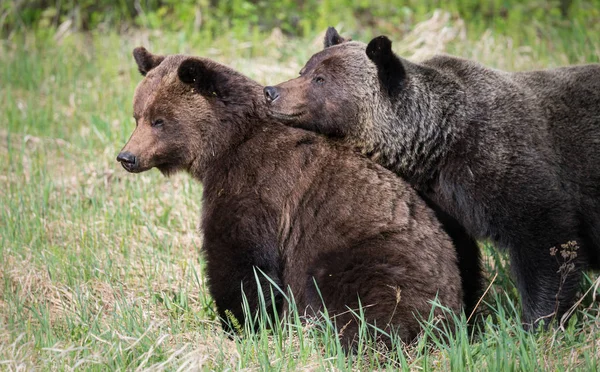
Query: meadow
[102, 270]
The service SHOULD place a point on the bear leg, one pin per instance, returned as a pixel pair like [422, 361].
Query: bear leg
[468, 253]
[548, 279]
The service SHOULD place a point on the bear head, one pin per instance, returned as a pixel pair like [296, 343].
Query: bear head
[342, 89]
[179, 109]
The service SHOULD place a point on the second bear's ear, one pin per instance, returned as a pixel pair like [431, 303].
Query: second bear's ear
[390, 70]
[145, 60]
[204, 79]
[333, 38]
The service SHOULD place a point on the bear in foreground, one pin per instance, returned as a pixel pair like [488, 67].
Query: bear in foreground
[289, 204]
[515, 157]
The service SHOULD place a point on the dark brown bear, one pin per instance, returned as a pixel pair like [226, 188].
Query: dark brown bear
[515, 157]
[289, 204]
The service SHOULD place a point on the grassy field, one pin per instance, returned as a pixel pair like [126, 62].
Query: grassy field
[102, 270]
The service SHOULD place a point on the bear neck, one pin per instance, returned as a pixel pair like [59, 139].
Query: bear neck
[415, 133]
[239, 122]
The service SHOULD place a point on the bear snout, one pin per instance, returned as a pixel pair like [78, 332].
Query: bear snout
[128, 161]
[271, 94]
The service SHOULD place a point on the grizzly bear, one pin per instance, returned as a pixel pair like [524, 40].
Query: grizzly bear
[329, 225]
[513, 156]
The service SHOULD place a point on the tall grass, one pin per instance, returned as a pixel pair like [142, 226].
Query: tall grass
[100, 269]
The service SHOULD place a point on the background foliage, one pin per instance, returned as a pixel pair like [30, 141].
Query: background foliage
[102, 270]
[296, 18]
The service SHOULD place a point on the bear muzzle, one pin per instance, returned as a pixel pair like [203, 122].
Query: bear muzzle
[271, 94]
[128, 161]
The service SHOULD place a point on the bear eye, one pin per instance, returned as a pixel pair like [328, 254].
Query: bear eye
[158, 123]
[319, 80]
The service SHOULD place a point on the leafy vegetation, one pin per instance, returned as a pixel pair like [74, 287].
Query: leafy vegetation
[300, 18]
[101, 269]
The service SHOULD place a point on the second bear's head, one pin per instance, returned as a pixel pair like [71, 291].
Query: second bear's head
[187, 111]
[341, 90]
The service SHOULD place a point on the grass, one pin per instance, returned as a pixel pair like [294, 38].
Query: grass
[100, 269]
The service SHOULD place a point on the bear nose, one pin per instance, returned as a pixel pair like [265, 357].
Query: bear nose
[126, 157]
[271, 94]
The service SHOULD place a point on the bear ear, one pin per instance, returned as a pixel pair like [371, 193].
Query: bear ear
[390, 70]
[145, 60]
[333, 38]
[202, 78]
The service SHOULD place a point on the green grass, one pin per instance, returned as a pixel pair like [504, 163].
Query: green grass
[101, 269]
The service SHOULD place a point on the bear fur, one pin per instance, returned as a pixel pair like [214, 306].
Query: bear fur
[513, 156]
[289, 204]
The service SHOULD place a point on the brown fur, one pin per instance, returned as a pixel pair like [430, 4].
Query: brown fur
[331, 105]
[290, 204]
[515, 157]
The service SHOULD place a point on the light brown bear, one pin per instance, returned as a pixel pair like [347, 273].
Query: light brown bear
[289, 204]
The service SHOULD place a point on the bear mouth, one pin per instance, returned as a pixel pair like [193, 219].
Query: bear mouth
[131, 167]
[286, 117]
[134, 167]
